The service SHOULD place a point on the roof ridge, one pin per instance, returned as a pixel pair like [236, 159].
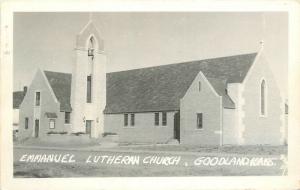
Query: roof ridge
[185, 62]
[221, 79]
[57, 72]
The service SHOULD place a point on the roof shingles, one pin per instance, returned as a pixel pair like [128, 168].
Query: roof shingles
[18, 97]
[157, 88]
[61, 86]
[161, 88]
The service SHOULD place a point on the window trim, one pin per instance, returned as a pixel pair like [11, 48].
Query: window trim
[265, 98]
[197, 126]
[50, 123]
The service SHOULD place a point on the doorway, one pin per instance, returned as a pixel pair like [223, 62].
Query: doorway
[177, 126]
[88, 127]
[36, 128]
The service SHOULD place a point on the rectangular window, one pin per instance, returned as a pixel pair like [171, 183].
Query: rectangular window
[199, 86]
[156, 119]
[52, 124]
[132, 119]
[26, 122]
[37, 98]
[89, 89]
[164, 118]
[67, 117]
[125, 119]
[199, 121]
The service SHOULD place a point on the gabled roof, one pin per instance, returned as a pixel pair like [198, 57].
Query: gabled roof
[18, 97]
[220, 86]
[158, 88]
[161, 88]
[61, 86]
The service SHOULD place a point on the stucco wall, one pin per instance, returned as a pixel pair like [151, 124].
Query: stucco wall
[206, 101]
[234, 91]
[48, 104]
[261, 129]
[81, 109]
[230, 127]
[144, 129]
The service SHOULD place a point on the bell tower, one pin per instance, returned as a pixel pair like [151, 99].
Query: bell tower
[88, 93]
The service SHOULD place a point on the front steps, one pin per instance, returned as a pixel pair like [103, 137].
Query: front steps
[173, 142]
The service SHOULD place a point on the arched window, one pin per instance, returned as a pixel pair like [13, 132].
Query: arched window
[91, 47]
[263, 99]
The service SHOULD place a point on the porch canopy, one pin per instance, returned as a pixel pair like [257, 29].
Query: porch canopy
[51, 115]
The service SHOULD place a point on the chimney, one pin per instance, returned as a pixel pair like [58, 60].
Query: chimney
[25, 89]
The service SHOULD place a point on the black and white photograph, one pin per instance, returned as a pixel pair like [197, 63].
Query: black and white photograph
[105, 95]
[150, 94]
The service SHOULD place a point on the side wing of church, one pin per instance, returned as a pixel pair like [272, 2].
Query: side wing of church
[219, 101]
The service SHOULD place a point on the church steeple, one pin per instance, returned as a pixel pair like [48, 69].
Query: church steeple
[84, 37]
[88, 97]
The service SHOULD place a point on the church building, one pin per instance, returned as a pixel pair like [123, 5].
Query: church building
[218, 101]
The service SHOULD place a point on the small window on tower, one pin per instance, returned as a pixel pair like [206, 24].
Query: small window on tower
[89, 89]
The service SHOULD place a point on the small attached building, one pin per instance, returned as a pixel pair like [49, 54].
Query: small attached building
[46, 105]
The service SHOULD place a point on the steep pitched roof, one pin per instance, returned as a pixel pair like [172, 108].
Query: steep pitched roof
[220, 86]
[18, 97]
[161, 88]
[61, 86]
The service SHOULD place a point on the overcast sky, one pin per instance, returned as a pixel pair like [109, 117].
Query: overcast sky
[135, 40]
